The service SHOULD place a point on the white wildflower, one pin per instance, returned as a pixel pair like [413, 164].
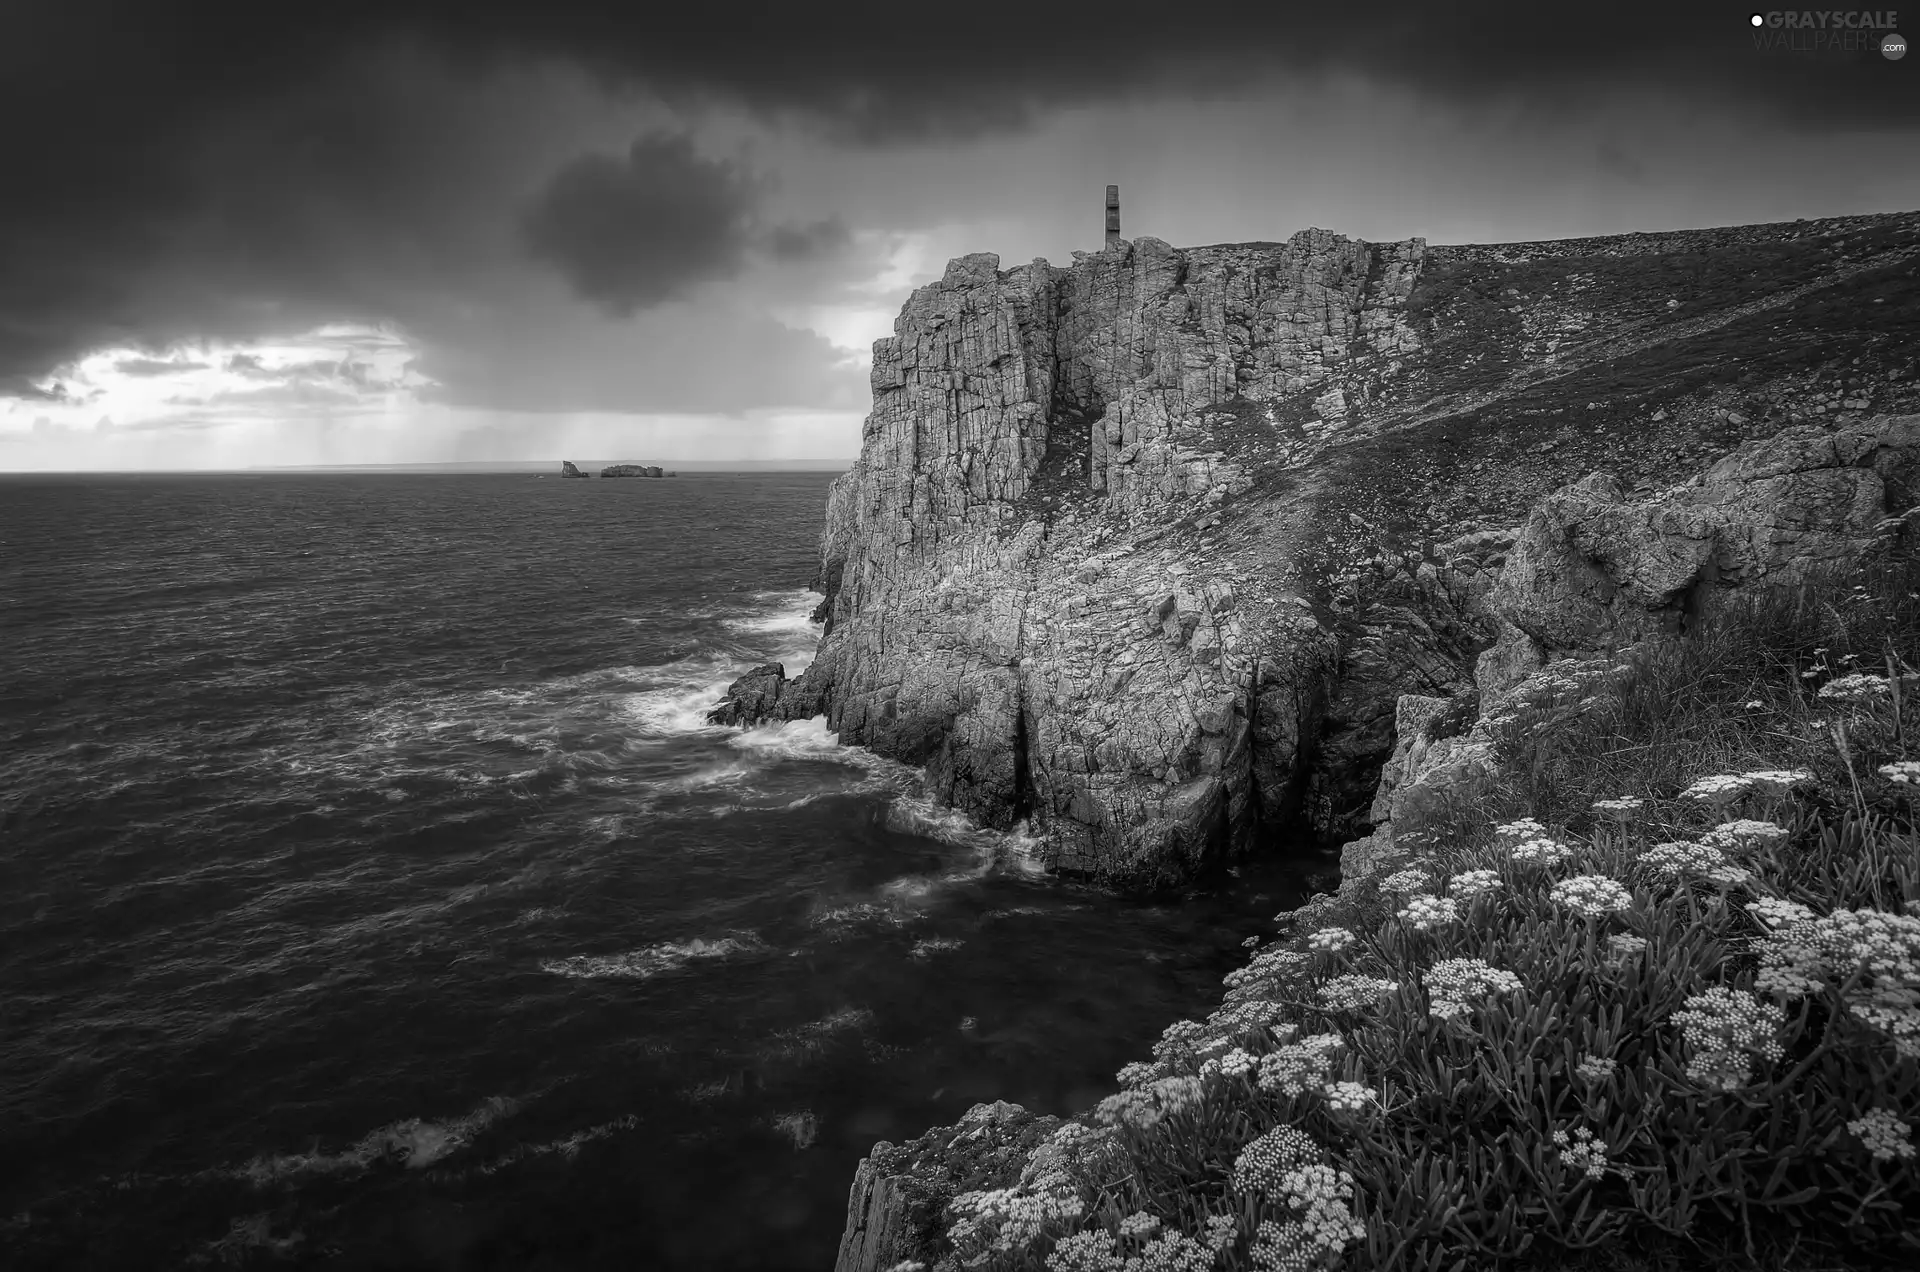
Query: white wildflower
[1778, 912]
[1885, 1133]
[1907, 771]
[1583, 1152]
[1330, 940]
[1427, 912]
[1452, 982]
[1404, 881]
[1721, 1025]
[1594, 896]
[1857, 687]
[1777, 781]
[1540, 851]
[1355, 992]
[1347, 1097]
[1296, 1067]
[1721, 788]
[1596, 1069]
[1473, 883]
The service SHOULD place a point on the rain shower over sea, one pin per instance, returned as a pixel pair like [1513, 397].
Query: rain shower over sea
[373, 892]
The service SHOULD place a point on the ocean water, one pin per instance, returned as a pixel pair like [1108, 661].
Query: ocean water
[374, 894]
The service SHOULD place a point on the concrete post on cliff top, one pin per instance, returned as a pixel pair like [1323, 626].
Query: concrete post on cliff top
[1113, 215]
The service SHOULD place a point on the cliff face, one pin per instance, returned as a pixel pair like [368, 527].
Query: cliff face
[1147, 549]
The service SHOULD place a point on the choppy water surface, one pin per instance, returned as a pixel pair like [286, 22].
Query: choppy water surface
[373, 893]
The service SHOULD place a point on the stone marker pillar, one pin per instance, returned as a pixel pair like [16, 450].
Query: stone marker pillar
[1113, 215]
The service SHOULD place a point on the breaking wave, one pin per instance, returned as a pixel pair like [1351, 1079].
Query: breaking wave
[643, 964]
[414, 1144]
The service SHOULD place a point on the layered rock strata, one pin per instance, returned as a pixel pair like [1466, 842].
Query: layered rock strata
[1147, 550]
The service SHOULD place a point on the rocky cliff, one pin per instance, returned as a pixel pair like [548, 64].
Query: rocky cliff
[1149, 550]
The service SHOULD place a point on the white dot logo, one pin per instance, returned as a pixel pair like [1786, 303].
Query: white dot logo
[1893, 47]
[1758, 19]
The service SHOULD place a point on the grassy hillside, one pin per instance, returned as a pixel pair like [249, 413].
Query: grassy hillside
[1654, 1003]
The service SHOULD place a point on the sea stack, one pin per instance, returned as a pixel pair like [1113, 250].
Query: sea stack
[631, 470]
[568, 470]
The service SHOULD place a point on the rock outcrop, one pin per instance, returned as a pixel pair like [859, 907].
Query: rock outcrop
[632, 470]
[1146, 551]
[568, 470]
[895, 1210]
[1593, 572]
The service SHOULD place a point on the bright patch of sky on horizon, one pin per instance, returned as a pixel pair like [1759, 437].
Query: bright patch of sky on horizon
[415, 316]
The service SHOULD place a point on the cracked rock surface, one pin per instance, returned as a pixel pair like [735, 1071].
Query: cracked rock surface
[1146, 551]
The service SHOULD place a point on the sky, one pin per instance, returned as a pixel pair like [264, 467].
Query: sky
[389, 231]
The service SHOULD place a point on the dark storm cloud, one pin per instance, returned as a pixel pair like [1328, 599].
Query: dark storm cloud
[808, 242]
[641, 228]
[230, 168]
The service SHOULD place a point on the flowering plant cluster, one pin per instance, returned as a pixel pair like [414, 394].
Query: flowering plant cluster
[1269, 966]
[1885, 1134]
[1848, 945]
[1300, 1066]
[1583, 1152]
[1286, 1165]
[1675, 859]
[1540, 850]
[1778, 912]
[1742, 832]
[1355, 992]
[1473, 883]
[1452, 982]
[1144, 1107]
[1726, 1027]
[1330, 940]
[1098, 1250]
[1621, 807]
[1594, 896]
[1003, 1221]
[1427, 912]
[1405, 881]
[1597, 1069]
[1856, 687]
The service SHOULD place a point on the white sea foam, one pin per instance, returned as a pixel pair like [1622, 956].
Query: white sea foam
[678, 695]
[415, 1143]
[799, 740]
[1015, 850]
[782, 624]
[652, 961]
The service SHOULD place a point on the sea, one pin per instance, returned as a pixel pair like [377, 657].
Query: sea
[374, 893]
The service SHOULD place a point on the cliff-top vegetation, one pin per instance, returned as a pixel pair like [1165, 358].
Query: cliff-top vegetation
[1651, 1002]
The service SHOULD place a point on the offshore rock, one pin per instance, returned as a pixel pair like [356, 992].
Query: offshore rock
[631, 470]
[568, 470]
[1147, 550]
